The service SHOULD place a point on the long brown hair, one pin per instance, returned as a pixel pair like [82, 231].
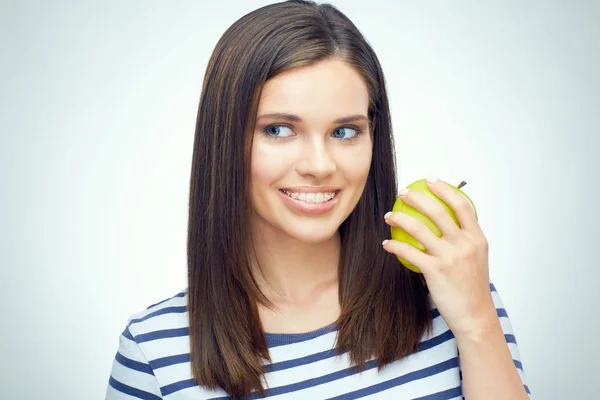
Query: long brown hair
[385, 308]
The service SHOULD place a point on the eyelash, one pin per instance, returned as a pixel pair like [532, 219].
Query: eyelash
[358, 131]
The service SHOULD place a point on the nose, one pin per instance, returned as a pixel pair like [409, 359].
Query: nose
[316, 158]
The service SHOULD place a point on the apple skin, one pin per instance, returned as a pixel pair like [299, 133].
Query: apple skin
[401, 235]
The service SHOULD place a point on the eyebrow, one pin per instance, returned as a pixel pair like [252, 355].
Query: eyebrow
[295, 118]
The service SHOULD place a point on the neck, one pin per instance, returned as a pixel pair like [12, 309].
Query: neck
[291, 271]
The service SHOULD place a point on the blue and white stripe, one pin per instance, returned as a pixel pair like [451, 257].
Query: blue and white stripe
[153, 362]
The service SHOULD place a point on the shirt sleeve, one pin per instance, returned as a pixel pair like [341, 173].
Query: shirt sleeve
[131, 376]
[509, 335]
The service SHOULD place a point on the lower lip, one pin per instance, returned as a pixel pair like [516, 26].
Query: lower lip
[310, 208]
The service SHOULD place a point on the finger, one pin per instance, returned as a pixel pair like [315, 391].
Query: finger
[417, 229]
[416, 257]
[434, 210]
[457, 202]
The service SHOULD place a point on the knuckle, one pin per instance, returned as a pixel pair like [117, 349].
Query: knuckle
[479, 241]
[411, 224]
[464, 204]
[439, 213]
[484, 243]
[470, 252]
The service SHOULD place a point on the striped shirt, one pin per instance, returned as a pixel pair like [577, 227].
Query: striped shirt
[153, 362]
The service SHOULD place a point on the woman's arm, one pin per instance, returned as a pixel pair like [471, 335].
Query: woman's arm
[490, 360]
[455, 266]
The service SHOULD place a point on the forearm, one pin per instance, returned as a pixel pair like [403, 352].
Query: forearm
[487, 365]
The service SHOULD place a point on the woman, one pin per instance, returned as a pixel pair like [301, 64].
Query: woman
[290, 291]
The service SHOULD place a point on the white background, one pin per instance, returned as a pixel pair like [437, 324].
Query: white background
[98, 106]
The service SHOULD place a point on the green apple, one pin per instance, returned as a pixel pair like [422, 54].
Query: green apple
[401, 235]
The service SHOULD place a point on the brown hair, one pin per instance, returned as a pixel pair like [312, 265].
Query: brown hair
[385, 307]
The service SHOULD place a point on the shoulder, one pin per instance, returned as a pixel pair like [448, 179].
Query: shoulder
[150, 337]
[167, 318]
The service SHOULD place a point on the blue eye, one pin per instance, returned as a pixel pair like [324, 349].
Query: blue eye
[278, 131]
[342, 133]
[283, 131]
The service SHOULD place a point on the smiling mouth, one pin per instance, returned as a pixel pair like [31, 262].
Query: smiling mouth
[311, 198]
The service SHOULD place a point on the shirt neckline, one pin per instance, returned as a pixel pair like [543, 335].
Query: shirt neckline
[278, 339]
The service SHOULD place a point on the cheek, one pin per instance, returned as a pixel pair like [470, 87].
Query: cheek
[356, 164]
[268, 163]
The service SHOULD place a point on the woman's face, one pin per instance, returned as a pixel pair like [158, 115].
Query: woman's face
[318, 146]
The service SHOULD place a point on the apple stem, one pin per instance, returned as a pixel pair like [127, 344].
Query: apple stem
[463, 183]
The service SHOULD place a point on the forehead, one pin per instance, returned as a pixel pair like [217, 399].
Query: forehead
[327, 89]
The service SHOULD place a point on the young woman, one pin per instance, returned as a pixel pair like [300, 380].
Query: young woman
[291, 294]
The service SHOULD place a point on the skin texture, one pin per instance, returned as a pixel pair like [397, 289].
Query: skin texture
[298, 253]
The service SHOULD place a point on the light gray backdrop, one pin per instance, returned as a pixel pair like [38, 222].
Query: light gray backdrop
[98, 105]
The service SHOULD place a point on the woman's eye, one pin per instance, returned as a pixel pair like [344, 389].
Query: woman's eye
[345, 133]
[278, 131]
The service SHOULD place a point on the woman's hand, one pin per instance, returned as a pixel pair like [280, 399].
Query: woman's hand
[455, 266]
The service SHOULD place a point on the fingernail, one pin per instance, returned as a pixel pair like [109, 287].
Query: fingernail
[431, 179]
[402, 192]
[387, 215]
[384, 242]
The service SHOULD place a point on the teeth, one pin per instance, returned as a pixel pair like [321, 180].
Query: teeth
[316, 198]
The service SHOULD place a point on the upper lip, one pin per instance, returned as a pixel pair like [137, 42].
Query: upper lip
[311, 189]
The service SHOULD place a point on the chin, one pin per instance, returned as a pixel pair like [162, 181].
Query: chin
[312, 234]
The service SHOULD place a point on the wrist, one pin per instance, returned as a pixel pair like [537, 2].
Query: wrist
[482, 328]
